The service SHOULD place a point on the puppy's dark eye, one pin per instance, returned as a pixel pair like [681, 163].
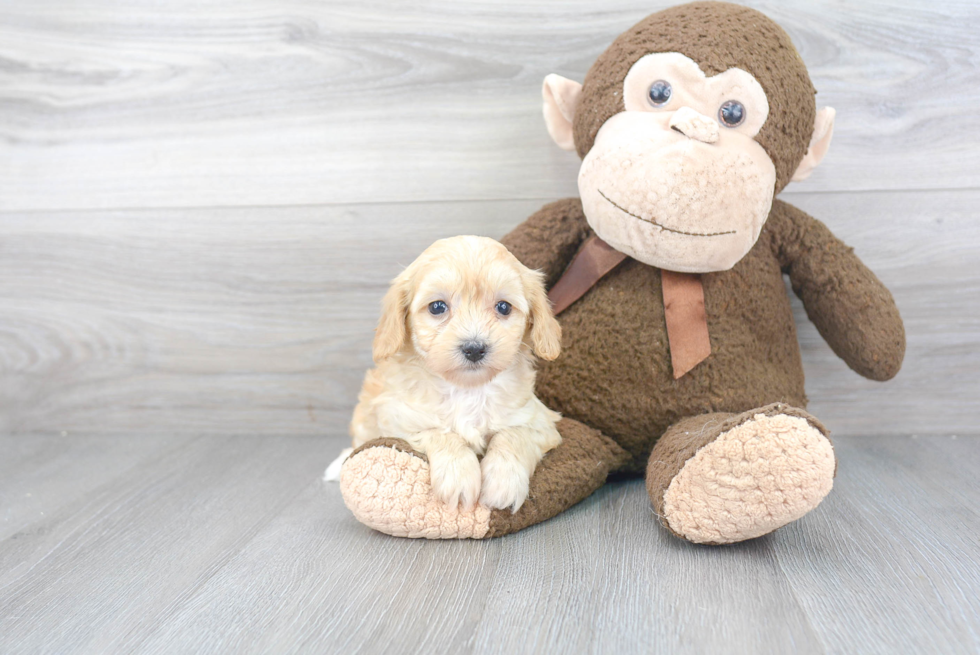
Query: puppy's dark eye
[437, 307]
[659, 93]
[503, 307]
[732, 113]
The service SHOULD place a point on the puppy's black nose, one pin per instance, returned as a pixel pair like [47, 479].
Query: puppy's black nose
[474, 350]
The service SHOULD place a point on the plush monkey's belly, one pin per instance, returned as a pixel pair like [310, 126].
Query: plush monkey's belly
[614, 372]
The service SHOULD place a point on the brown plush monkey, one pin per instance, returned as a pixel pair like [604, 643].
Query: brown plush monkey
[680, 357]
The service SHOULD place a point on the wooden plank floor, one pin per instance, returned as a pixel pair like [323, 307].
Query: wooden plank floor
[220, 544]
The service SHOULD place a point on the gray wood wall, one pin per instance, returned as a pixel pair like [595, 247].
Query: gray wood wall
[200, 205]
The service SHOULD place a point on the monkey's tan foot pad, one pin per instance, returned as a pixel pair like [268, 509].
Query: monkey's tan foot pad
[386, 485]
[761, 470]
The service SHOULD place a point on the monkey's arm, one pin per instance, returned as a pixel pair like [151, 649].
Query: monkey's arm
[549, 239]
[850, 306]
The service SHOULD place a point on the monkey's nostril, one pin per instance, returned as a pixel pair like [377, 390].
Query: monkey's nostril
[474, 350]
[693, 125]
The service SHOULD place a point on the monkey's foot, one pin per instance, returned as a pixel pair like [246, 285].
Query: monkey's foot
[723, 478]
[386, 485]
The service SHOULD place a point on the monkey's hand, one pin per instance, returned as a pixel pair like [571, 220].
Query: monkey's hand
[851, 308]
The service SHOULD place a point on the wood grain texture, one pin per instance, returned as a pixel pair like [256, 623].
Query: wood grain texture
[38, 473]
[259, 320]
[904, 505]
[234, 545]
[126, 104]
[101, 568]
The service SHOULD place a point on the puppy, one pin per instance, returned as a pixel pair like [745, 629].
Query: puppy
[455, 373]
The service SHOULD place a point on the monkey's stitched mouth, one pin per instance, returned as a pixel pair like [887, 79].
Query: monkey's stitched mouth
[663, 227]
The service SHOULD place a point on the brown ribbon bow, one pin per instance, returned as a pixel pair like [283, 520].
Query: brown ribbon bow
[687, 319]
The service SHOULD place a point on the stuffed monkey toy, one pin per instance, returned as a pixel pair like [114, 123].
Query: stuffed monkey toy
[680, 359]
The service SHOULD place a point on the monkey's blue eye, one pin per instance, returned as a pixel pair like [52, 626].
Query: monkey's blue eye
[503, 307]
[437, 307]
[732, 113]
[659, 93]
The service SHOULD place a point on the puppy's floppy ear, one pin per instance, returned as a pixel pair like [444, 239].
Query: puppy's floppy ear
[392, 332]
[545, 331]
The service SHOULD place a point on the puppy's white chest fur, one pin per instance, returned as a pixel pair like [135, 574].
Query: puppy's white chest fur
[409, 400]
[472, 413]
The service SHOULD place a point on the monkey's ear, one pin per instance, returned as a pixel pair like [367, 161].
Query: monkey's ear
[823, 131]
[392, 333]
[560, 101]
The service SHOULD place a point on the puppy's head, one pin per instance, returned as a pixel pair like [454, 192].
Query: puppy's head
[469, 310]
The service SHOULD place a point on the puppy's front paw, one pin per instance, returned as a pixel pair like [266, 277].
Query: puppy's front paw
[505, 482]
[455, 477]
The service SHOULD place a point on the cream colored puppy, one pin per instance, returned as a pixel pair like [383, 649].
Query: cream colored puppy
[455, 371]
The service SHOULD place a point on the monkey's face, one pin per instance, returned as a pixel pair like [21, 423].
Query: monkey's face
[687, 126]
[677, 180]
